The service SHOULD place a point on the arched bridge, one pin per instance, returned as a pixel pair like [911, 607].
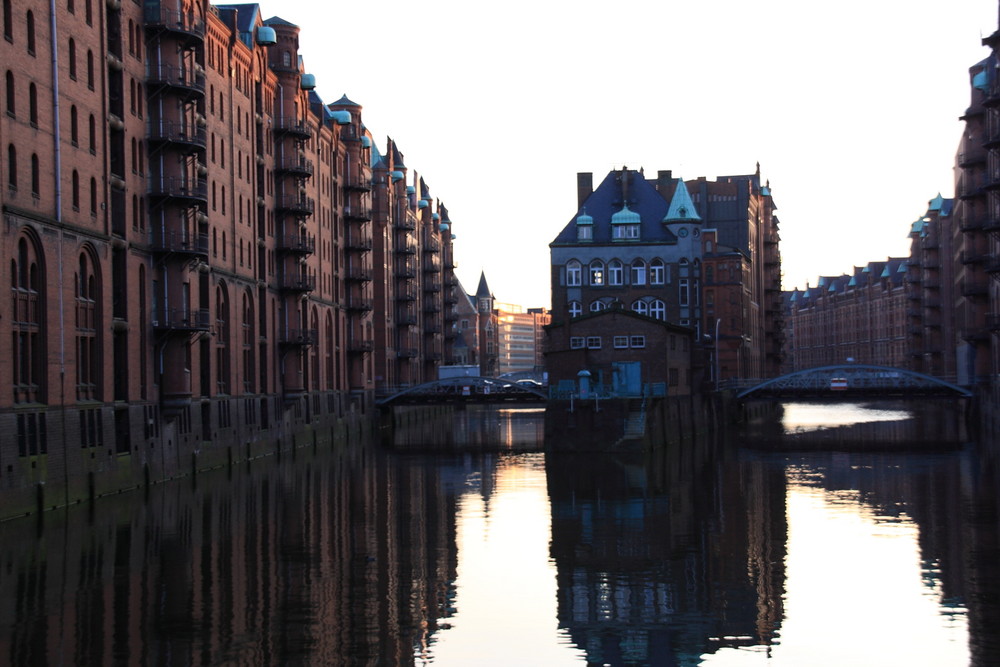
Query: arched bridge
[469, 390]
[851, 381]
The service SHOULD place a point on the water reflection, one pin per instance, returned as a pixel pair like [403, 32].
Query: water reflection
[731, 551]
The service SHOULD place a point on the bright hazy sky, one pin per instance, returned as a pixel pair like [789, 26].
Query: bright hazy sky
[851, 108]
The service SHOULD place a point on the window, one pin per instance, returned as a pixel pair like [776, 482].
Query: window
[625, 232]
[27, 324]
[620, 342]
[30, 20]
[93, 196]
[584, 233]
[11, 167]
[87, 328]
[684, 294]
[11, 94]
[672, 377]
[8, 21]
[658, 309]
[577, 342]
[76, 190]
[93, 135]
[597, 272]
[640, 307]
[573, 273]
[593, 342]
[597, 306]
[656, 272]
[33, 105]
[89, 11]
[616, 272]
[637, 342]
[575, 309]
[90, 69]
[286, 59]
[74, 128]
[35, 176]
[72, 58]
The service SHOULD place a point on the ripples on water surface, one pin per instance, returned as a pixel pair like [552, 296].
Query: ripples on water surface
[840, 548]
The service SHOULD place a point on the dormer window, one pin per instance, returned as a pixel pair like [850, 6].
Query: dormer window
[584, 233]
[625, 233]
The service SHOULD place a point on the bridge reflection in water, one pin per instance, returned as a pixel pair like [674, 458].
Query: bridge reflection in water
[713, 553]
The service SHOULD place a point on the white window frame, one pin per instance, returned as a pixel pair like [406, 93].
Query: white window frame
[575, 309]
[598, 306]
[640, 306]
[616, 273]
[596, 273]
[658, 309]
[574, 273]
[637, 342]
[584, 232]
[593, 342]
[657, 272]
[638, 272]
[577, 342]
[620, 342]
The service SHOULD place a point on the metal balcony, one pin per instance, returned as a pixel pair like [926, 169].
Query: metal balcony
[357, 213]
[298, 282]
[974, 288]
[186, 80]
[358, 184]
[407, 249]
[300, 244]
[299, 337]
[360, 304]
[407, 352]
[191, 245]
[181, 320]
[432, 286]
[176, 132]
[296, 204]
[185, 24]
[295, 165]
[175, 187]
[358, 242]
[361, 346]
[358, 274]
[292, 126]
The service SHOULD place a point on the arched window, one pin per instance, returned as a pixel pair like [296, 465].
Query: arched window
[36, 187]
[616, 273]
[93, 196]
[248, 340]
[8, 21]
[597, 306]
[596, 272]
[640, 306]
[30, 21]
[88, 361]
[222, 339]
[328, 340]
[658, 309]
[574, 273]
[575, 309]
[314, 351]
[11, 94]
[143, 359]
[11, 167]
[93, 134]
[286, 59]
[33, 105]
[27, 323]
[74, 126]
[638, 276]
[90, 69]
[656, 272]
[88, 5]
[76, 190]
[72, 58]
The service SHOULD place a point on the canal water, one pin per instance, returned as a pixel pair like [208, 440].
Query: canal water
[835, 535]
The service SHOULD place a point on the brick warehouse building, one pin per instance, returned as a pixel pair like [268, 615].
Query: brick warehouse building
[700, 254]
[202, 254]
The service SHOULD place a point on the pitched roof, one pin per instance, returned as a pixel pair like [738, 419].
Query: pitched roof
[483, 290]
[681, 209]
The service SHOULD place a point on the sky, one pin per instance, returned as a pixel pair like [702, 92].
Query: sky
[851, 108]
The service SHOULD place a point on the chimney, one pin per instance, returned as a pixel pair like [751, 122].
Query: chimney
[663, 181]
[584, 187]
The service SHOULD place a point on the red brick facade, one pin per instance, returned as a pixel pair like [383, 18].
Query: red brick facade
[191, 237]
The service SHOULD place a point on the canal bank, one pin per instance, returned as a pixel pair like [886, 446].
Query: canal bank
[81, 463]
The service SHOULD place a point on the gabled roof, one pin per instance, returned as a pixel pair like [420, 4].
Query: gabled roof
[277, 20]
[345, 101]
[681, 209]
[607, 199]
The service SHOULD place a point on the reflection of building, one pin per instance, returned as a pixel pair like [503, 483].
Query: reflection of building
[661, 561]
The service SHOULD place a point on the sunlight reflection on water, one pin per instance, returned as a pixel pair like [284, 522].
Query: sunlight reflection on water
[805, 417]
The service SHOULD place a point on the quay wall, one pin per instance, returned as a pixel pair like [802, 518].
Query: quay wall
[105, 450]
